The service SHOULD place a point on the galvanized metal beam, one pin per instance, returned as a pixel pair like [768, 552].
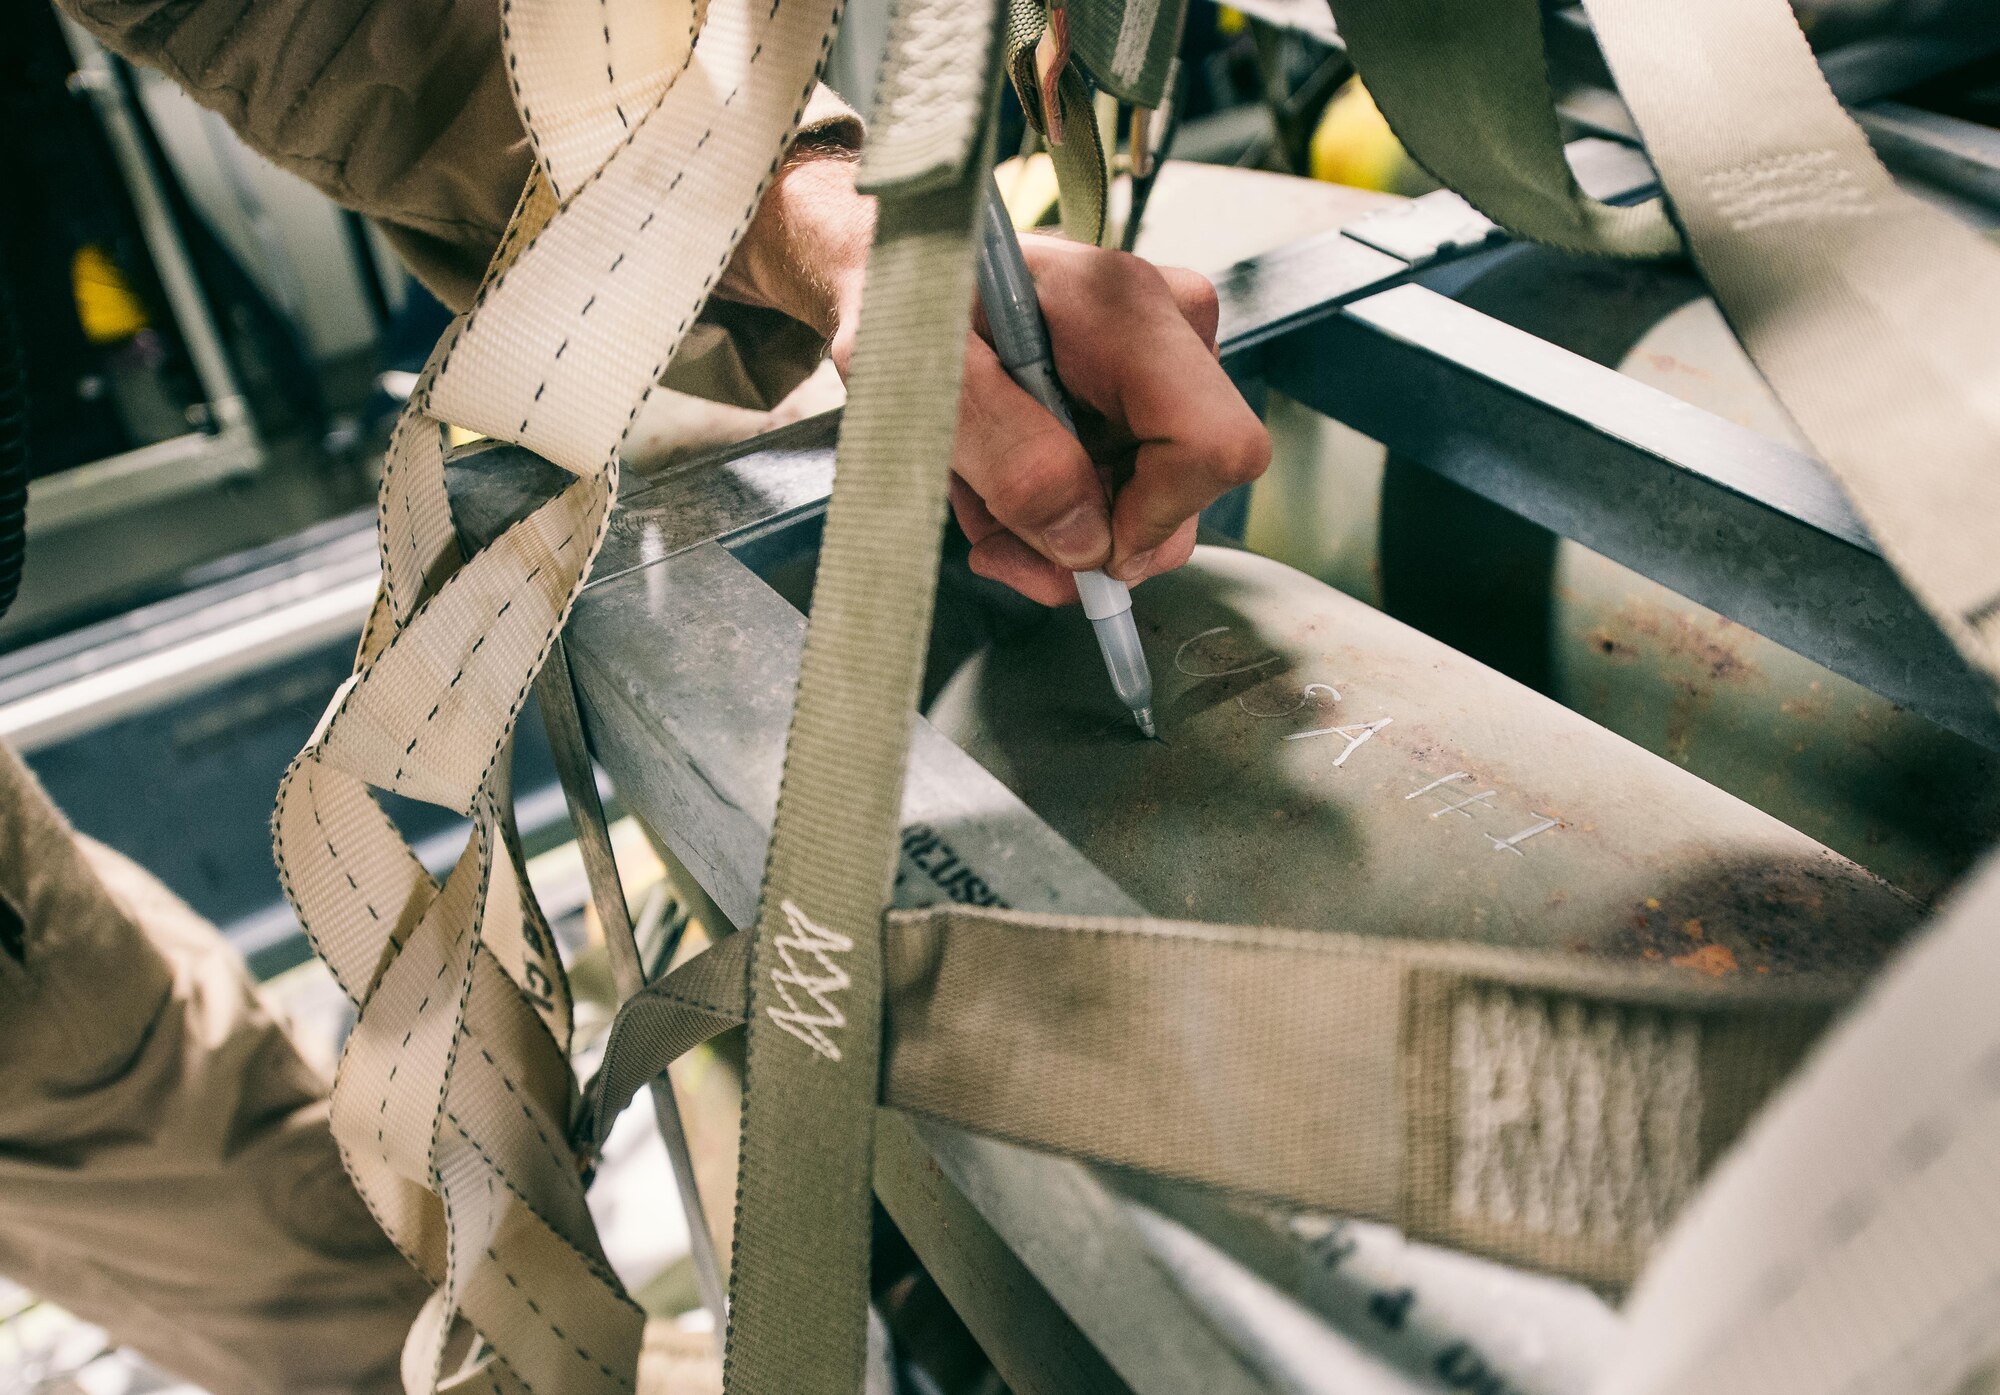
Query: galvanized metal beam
[1048, 1270]
[1748, 526]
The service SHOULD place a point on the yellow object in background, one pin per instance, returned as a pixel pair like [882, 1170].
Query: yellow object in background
[1028, 187]
[1353, 145]
[1227, 20]
[106, 308]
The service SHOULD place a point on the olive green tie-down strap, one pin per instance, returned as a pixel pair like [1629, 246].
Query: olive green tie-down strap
[799, 1280]
[1128, 50]
[1464, 85]
[1128, 46]
[1524, 1105]
[1075, 144]
[454, 1091]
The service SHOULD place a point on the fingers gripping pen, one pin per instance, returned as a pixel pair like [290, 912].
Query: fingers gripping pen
[1021, 340]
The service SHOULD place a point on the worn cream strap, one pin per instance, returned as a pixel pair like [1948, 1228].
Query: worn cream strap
[655, 131]
[1853, 1243]
[1529, 1105]
[1872, 313]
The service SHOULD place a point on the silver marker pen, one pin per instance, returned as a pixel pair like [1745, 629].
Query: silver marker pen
[1021, 339]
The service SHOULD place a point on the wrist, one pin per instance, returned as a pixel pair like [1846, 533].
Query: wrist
[806, 250]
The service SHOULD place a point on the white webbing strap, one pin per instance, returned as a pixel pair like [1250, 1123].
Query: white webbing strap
[454, 1092]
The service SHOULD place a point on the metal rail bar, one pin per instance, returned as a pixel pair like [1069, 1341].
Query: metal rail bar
[1745, 525]
[555, 687]
[183, 462]
[1960, 156]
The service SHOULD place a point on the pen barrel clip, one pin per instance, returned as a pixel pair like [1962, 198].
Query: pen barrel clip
[1102, 596]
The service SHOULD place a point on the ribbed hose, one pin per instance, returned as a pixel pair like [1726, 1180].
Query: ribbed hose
[13, 449]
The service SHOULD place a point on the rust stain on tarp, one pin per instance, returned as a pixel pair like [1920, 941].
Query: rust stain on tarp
[1714, 961]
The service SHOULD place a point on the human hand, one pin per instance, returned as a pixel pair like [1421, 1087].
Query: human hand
[1134, 345]
[1162, 426]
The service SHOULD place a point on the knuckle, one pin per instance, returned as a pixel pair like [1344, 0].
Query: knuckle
[1245, 457]
[1204, 309]
[1197, 294]
[1034, 489]
[1125, 263]
[1011, 499]
[1134, 272]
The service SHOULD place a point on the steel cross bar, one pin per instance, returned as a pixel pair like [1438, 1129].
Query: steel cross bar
[1753, 528]
[692, 727]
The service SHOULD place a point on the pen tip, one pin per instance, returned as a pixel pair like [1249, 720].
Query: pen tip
[1144, 717]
